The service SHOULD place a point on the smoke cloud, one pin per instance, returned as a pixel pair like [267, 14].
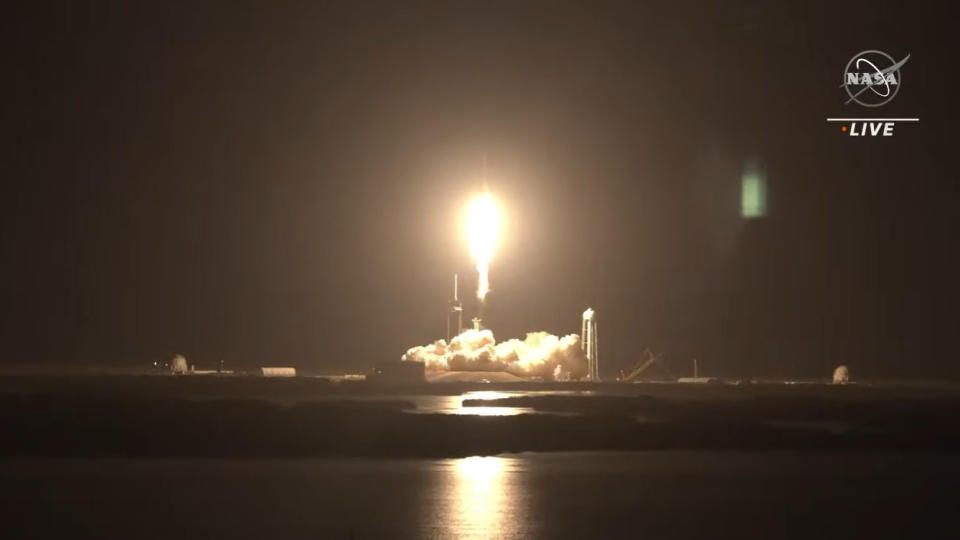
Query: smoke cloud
[540, 355]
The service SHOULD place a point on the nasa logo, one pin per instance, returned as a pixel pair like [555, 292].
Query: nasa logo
[872, 78]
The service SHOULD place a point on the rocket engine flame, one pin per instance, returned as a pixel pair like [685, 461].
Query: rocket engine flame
[483, 227]
[483, 280]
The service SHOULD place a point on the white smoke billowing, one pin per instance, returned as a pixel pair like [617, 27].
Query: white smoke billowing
[541, 355]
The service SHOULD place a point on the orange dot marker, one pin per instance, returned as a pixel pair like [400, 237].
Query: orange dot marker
[843, 128]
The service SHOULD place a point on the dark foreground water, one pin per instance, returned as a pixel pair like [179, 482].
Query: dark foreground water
[566, 495]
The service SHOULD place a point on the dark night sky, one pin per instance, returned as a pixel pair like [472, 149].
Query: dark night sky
[282, 185]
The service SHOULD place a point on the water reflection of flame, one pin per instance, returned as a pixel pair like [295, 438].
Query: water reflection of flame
[488, 411]
[494, 411]
[484, 502]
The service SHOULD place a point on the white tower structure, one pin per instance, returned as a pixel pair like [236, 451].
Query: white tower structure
[588, 340]
[455, 312]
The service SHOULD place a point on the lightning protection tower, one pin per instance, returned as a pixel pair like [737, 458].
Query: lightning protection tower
[588, 340]
[454, 313]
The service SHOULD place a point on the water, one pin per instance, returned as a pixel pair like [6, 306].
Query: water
[454, 404]
[565, 495]
[429, 404]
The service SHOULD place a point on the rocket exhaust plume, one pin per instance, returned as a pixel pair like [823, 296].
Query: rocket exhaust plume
[483, 226]
[541, 355]
[483, 280]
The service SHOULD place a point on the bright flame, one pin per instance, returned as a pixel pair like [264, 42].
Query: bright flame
[483, 226]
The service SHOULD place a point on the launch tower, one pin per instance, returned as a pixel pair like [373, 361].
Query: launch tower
[455, 311]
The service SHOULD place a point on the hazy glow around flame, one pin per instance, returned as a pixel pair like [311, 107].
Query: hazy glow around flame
[483, 227]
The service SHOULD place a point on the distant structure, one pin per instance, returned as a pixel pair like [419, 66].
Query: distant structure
[588, 340]
[646, 361]
[178, 366]
[278, 371]
[454, 312]
[698, 380]
[841, 375]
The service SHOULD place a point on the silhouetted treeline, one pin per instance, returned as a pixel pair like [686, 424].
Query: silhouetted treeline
[70, 424]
